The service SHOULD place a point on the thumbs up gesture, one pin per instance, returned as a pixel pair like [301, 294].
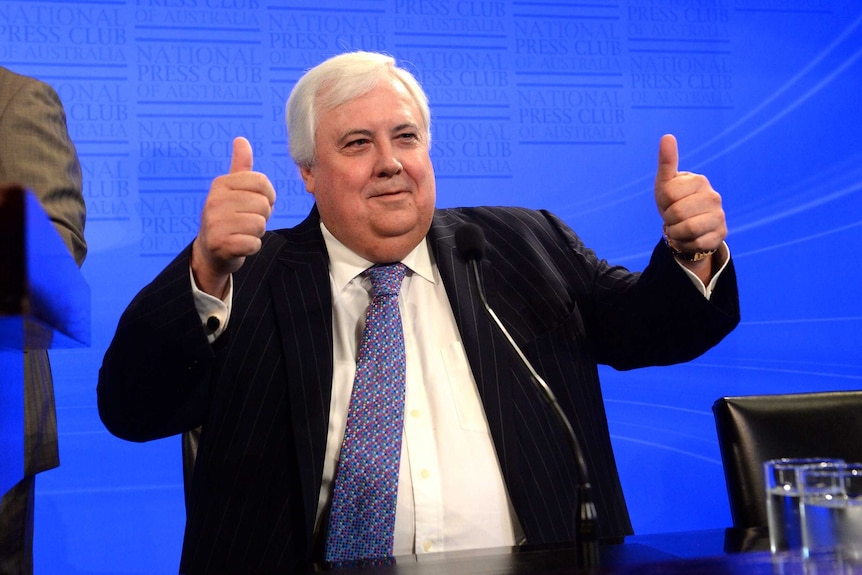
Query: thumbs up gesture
[233, 221]
[691, 209]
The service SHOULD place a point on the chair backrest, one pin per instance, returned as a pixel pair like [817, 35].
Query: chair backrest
[753, 429]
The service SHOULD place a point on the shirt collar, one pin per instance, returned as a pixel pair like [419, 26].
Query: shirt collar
[344, 264]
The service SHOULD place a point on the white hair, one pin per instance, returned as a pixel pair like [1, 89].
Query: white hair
[335, 81]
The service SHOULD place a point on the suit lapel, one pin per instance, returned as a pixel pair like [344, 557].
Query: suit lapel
[302, 298]
[485, 349]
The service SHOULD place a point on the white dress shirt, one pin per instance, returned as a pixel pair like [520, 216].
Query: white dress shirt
[451, 493]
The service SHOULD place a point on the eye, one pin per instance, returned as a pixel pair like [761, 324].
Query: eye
[408, 136]
[357, 143]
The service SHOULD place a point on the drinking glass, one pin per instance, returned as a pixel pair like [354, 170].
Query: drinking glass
[832, 511]
[783, 499]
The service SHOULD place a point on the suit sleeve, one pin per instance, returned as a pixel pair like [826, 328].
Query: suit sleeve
[155, 376]
[653, 317]
[37, 152]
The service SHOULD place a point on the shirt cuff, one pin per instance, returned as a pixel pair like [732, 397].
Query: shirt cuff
[214, 313]
[706, 290]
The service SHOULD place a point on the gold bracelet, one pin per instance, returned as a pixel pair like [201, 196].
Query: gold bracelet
[685, 256]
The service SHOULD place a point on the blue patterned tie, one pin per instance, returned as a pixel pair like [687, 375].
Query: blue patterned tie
[362, 517]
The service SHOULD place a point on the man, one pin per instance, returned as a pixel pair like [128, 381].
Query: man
[37, 153]
[253, 335]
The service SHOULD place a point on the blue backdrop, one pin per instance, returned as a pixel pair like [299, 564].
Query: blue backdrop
[549, 104]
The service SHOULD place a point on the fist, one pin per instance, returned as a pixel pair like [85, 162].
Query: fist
[233, 221]
[690, 208]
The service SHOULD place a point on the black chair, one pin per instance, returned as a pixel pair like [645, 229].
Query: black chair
[753, 429]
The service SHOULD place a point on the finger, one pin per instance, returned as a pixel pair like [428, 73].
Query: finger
[696, 222]
[668, 159]
[242, 159]
[226, 205]
[258, 201]
[236, 187]
[690, 200]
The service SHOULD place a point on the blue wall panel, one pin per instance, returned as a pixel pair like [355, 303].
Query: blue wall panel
[549, 104]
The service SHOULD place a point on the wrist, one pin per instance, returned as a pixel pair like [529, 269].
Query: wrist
[685, 256]
[206, 277]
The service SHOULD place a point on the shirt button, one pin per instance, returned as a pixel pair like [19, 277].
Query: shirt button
[425, 474]
[415, 413]
[427, 546]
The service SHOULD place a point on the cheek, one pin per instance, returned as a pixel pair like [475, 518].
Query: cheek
[428, 186]
[339, 202]
[345, 183]
[421, 172]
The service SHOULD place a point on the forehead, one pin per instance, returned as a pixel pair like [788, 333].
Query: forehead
[389, 102]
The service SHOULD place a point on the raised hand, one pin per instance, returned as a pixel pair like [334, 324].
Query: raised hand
[690, 208]
[233, 221]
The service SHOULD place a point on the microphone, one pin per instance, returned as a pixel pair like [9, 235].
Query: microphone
[470, 243]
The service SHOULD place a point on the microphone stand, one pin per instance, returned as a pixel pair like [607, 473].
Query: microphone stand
[585, 520]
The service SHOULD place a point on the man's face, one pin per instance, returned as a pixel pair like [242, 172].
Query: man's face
[372, 178]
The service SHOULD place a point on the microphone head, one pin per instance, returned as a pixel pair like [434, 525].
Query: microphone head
[470, 242]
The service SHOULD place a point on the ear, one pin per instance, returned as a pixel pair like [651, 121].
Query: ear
[308, 178]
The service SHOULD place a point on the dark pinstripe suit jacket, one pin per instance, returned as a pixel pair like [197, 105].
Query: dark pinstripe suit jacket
[262, 391]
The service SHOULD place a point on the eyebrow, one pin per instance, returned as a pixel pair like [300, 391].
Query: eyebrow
[368, 133]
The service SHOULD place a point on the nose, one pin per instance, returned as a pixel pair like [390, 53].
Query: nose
[388, 164]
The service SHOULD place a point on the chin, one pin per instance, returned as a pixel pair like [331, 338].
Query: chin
[395, 223]
[394, 243]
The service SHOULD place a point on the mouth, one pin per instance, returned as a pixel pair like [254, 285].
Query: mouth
[389, 194]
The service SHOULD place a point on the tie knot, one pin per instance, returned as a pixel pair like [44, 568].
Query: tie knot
[386, 279]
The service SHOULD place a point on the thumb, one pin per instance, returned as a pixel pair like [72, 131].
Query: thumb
[242, 159]
[668, 159]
